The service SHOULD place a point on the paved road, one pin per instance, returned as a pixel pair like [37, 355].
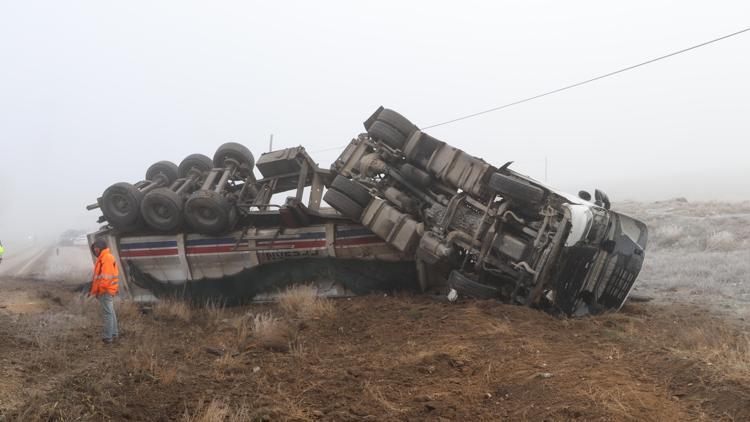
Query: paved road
[47, 262]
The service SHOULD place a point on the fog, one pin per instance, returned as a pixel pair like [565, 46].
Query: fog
[92, 93]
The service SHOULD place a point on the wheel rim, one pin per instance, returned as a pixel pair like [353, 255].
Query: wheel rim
[121, 205]
[162, 209]
[209, 212]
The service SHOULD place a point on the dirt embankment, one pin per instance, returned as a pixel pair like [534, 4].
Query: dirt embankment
[368, 358]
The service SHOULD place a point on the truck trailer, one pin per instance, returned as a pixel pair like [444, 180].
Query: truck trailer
[409, 211]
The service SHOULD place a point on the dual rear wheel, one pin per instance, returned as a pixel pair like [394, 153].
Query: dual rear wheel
[171, 195]
[348, 197]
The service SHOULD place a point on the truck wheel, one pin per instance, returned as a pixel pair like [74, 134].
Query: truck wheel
[343, 204]
[165, 169]
[516, 189]
[197, 162]
[162, 209]
[236, 152]
[401, 123]
[353, 190]
[468, 287]
[374, 116]
[388, 134]
[121, 204]
[209, 212]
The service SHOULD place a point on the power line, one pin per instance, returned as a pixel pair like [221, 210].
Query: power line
[469, 116]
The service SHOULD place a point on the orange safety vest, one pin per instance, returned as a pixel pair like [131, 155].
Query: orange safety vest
[106, 276]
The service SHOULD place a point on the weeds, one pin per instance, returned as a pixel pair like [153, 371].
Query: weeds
[218, 411]
[303, 302]
[668, 235]
[266, 330]
[173, 309]
[721, 241]
[213, 310]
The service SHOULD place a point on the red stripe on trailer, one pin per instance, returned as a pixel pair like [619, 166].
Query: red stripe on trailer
[148, 252]
[210, 249]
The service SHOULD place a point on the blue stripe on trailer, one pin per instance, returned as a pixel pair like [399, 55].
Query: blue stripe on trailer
[149, 245]
[219, 241]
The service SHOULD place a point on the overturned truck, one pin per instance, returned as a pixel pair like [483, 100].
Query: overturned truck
[409, 212]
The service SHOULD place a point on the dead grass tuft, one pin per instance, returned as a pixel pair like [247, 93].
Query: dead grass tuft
[127, 309]
[721, 241]
[668, 235]
[265, 330]
[173, 309]
[214, 311]
[218, 411]
[303, 302]
[227, 364]
[716, 345]
[271, 332]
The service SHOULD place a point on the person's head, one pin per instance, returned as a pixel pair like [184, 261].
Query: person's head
[98, 246]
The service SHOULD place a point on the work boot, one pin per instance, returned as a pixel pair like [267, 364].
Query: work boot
[107, 340]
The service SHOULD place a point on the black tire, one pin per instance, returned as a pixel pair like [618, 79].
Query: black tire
[353, 190]
[468, 287]
[516, 189]
[401, 123]
[195, 162]
[166, 169]
[236, 152]
[343, 204]
[161, 209]
[209, 212]
[388, 134]
[121, 204]
[374, 116]
[417, 177]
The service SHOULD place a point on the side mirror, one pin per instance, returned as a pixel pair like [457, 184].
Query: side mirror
[601, 199]
[584, 195]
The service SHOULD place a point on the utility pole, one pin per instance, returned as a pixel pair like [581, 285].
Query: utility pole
[270, 143]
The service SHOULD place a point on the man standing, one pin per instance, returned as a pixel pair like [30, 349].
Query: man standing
[104, 287]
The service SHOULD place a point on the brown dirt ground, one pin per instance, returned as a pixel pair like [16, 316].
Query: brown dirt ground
[375, 358]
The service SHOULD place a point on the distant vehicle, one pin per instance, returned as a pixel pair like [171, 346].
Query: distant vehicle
[81, 240]
[412, 210]
[68, 237]
[2, 251]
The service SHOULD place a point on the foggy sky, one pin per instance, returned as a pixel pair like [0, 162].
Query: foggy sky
[92, 93]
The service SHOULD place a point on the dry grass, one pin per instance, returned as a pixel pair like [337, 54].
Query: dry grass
[145, 364]
[700, 251]
[721, 241]
[127, 309]
[271, 332]
[218, 411]
[302, 302]
[144, 360]
[214, 311]
[173, 309]
[265, 330]
[668, 235]
[715, 345]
